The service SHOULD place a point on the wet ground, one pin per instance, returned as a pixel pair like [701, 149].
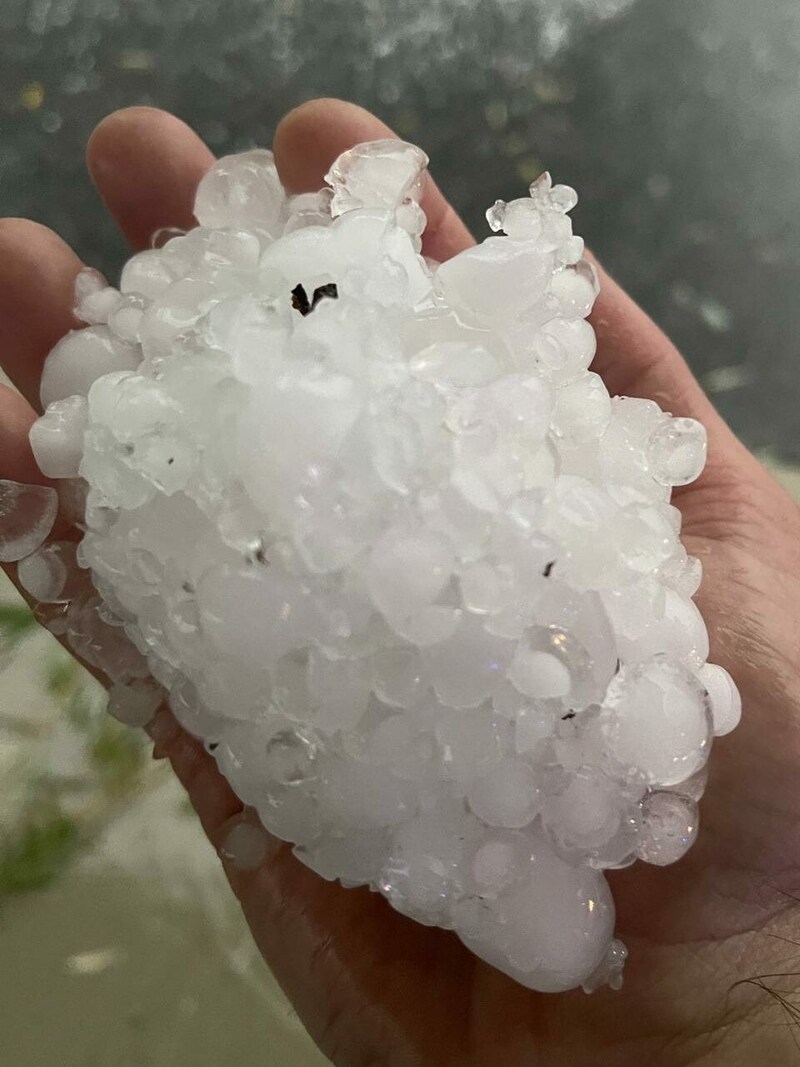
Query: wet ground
[120, 942]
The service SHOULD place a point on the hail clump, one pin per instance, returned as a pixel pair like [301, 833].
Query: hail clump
[386, 544]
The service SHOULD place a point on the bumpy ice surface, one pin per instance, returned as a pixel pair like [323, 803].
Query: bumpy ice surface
[389, 547]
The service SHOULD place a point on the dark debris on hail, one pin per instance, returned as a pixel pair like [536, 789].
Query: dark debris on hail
[301, 303]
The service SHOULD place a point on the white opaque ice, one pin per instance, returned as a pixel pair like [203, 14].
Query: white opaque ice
[506, 795]
[469, 666]
[555, 926]
[539, 674]
[242, 191]
[82, 357]
[381, 174]
[255, 616]
[726, 703]
[57, 437]
[582, 410]
[668, 830]
[407, 570]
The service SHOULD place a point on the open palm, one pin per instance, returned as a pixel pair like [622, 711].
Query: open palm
[372, 986]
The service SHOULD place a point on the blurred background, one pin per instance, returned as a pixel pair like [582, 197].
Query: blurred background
[679, 123]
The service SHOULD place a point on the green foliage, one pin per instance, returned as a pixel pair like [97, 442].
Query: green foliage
[61, 815]
[16, 622]
[118, 755]
[38, 854]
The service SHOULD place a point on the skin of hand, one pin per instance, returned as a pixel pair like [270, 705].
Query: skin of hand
[372, 987]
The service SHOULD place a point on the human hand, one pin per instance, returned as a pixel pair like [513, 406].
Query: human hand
[372, 986]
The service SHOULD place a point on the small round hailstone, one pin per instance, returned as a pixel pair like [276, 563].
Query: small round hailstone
[668, 829]
[134, 704]
[390, 550]
[407, 570]
[678, 451]
[51, 575]
[423, 869]
[244, 844]
[496, 861]
[655, 722]
[80, 358]
[586, 814]
[726, 704]
[506, 795]
[27, 515]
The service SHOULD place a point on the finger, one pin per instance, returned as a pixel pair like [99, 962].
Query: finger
[310, 138]
[37, 283]
[16, 458]
[146, 165]
[326, 944]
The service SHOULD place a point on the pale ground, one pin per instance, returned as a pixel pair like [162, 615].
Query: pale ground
[136, 956]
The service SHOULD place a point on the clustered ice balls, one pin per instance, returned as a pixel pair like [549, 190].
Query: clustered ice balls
[390, 549]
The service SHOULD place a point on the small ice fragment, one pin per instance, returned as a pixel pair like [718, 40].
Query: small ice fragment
[242, 191]
[655, 722]
[95, 299]
[380, 174]
[506, 795]
[582, 410]
[610, 970]
[27, 515]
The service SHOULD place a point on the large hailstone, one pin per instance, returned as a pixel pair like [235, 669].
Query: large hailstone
[389, 548]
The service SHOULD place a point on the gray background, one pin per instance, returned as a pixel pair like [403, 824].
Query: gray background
[677, 120]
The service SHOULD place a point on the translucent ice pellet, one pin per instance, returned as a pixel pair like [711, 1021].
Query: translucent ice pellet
[27, 515]
[669, 828]
[51, 574]
[134, 704]
[678, 451]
